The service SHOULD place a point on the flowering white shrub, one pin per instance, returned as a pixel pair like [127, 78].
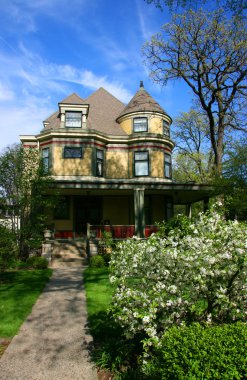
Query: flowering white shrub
[163, 281]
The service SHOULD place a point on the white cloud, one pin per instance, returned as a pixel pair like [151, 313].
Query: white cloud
[31, 88]
[5, 93]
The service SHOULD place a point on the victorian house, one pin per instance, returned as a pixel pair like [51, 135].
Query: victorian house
[112, 164]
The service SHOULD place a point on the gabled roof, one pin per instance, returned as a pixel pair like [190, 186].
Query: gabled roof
[53, 120]
[104, 109]
[142, 102]
[73, 99]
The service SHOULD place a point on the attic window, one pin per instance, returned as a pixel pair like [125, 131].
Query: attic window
[73, 119]
[140, 124]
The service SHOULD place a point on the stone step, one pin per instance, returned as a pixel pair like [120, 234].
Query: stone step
[68, 254]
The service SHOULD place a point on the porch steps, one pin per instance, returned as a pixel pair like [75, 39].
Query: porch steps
[69, 253]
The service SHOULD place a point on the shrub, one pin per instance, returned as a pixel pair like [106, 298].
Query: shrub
[96, 262]
[196, 352]
[36, 262]
[177, 280]
[8, 248]
[107, 258]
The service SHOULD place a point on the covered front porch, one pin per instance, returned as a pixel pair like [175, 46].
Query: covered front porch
[125, 209]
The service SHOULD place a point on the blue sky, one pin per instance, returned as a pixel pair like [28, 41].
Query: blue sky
[51, 48]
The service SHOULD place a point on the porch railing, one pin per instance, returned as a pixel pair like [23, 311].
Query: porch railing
[97, 232]
[119, 231]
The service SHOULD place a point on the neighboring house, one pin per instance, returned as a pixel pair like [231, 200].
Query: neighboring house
[112, 164]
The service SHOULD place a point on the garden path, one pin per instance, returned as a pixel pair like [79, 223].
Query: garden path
[53, 343]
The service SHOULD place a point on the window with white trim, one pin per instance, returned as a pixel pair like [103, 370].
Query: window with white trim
[141, 164]
[46, 159]
[72, 152]
[99, 163]
[168, 166]
[166, 128]
[140, 124]
[73, 119]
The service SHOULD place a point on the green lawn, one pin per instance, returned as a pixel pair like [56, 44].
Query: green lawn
[112, 351]
[18, 292]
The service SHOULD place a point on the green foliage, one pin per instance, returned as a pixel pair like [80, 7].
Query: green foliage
[8, 248]
[207, 50]
[107, 238]
[200, 352]
[236, 7]
[107, 258]
[19, 291]
[97, 262]
[194, 274]
[23, 187]
[180, 225]
[111, 350]
[36, 262]
[193, 156]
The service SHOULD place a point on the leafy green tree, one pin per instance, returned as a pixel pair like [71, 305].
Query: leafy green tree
[237, 7]
[208, 52]
[23, 185]
[233, 183]
[193, 154]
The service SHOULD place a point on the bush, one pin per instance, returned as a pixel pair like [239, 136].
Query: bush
[36, 262]
[97, 262]
[196, 352]
[177, 280]
[8, 248]
[107, 258]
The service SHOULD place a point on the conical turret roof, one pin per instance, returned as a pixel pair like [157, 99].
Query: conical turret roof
[142, 102]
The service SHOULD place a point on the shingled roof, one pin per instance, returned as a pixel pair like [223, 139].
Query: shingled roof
[73, 99]
[104, 108]
[141, 102]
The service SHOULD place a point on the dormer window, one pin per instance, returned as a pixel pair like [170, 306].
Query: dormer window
[73, 119]
[140, 124]
[166, 128]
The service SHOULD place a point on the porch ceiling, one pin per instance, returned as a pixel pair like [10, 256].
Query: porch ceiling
[182, 193]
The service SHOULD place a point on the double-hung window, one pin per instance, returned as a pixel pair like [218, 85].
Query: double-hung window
[140, 124]
[166, 129]
[73, 119]
[168, 166]
[99, 163]
[141, 164]
[72, 152]
[46, 159]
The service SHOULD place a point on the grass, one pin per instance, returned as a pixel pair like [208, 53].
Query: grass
[112, 350]
[18, 292]
[99, 290]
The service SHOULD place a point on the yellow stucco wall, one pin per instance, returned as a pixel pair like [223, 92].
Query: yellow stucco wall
[157, 164]
[71, 166]
[117, 164]
[116, 210]
[155, 124]
[127, 125]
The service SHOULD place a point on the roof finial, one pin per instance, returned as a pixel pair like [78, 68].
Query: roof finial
[141, 83]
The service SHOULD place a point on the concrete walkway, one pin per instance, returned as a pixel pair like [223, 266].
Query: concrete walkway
[53, 343]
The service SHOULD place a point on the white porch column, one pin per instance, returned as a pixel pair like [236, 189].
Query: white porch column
[189, 210]
[139, 213]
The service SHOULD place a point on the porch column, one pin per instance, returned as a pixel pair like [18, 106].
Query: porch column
[139, 213]
[169, 208]
[189, 210]
[205, 204]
